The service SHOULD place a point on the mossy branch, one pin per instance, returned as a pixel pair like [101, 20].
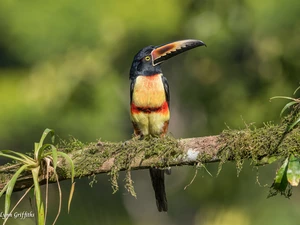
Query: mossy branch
[261, 145]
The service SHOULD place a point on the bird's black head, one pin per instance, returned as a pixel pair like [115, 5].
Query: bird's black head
[142, 64]
[147, 61]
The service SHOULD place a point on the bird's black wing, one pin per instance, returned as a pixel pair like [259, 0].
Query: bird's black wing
[167, 90]
[131, 88]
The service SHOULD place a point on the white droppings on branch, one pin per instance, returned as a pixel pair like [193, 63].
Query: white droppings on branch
[191, 155]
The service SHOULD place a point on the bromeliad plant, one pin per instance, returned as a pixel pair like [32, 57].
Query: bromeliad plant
[43, 162]
[288, 174]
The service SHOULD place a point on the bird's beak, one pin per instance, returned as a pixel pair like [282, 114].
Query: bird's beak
[164, 52]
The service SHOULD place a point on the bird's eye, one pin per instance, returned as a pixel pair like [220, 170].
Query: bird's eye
[147, 58]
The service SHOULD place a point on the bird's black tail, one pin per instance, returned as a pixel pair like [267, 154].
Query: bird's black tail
[158, 183]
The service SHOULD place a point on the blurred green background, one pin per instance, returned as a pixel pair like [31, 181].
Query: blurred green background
[65, 65]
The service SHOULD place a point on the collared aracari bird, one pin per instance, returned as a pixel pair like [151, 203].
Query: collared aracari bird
[150, 100]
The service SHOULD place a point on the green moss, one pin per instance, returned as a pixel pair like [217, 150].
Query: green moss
[204, 157]
[70, 145]
[3, 177]
[90, 157]
[261, 145]
[93, 181]
[165, 149]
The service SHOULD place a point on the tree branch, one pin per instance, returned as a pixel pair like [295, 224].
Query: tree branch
[258, 145]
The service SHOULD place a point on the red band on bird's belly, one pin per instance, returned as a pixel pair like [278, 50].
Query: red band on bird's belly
[152, 77]
[164, 108]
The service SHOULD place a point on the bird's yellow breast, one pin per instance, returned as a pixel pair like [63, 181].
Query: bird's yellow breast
[149, 91]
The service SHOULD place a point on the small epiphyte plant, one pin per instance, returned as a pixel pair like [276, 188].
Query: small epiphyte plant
[42, 165]
[288, 174]
[293, 102]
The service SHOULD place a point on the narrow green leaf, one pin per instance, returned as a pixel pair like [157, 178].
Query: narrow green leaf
[41, 151]
[22, 155]
[296, 90]
[52, 136]
[40, 144]
[10, 187]
[36, 150]
[4, 189]
[294, 124]
[280, 182]
[288, 105]
[45, 134]
[16, 156]
[38, 198]
[71, 196]
[13, 157]
[67, 157]
[293, 171]
[283, 97]
[54, 154]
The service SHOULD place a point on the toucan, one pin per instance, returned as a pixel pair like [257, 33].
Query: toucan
[150, 100]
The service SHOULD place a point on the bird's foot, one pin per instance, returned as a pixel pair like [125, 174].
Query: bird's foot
[168, 171]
